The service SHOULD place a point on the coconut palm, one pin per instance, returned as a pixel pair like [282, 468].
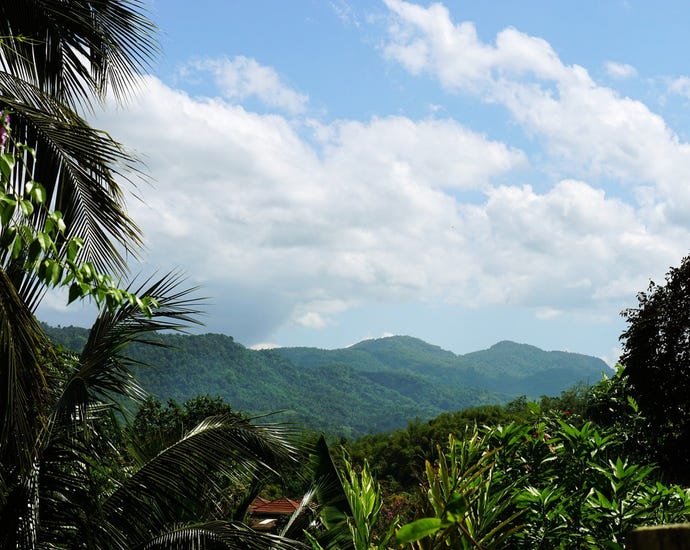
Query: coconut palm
[58, 58]
[63, 482]
[81, 490]
[53, 55]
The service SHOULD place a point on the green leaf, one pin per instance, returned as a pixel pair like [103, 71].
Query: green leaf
[49, 227]
[7, 238]
[75, 292]
[37, 192]
[73, 248]
[27, 207]
[58, 221]
[35, 251]
[44, 241]
[9, 206]
[89, 271]
[7, 163]
[53, 272]
[456, 505]
[419, 529]
[17, 247]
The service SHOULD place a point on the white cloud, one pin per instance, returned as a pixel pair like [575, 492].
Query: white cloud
[620, 70]
[547, 313]
[243, 77]
[264, 345]
[426, 40]
[293, 221]
[441, 153]
[312, 319]
[567, 249]
[588, 130]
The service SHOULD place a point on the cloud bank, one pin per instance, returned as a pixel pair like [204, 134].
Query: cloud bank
[286, 219]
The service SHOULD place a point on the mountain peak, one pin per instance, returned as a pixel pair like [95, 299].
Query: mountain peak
[509, 345]
[389, 339]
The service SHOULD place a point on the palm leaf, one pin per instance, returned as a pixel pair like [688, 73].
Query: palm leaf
[334, 506]
[73, 50]
[24, 352]
[172, 485]
[25, 357]
[103, 373]
[79, 168]
[219, 535]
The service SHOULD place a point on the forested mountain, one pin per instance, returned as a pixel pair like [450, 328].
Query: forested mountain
[373, 386]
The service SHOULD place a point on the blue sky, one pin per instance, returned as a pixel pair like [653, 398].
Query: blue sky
[463, 172]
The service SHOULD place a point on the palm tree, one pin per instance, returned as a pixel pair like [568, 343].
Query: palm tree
[55, 57]
[81, 490]
[62, 481]
[59, 58]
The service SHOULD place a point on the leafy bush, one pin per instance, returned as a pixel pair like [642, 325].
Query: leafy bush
[546, 484]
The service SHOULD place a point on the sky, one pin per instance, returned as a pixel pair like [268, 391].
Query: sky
[463, 172]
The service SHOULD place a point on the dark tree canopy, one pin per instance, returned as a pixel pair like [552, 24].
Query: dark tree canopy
[656, 357]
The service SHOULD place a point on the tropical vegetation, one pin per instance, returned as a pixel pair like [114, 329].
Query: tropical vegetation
[64, 480]
[88, 461]
[374, 386]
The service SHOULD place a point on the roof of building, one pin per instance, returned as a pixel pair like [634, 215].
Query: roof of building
[281, 506]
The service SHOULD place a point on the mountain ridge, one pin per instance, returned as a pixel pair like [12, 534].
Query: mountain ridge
[375, 385]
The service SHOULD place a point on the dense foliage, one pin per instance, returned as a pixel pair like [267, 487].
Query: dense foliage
[536, 475]
[541, 476]
[397, 458]
[656, 360]
[548, 484]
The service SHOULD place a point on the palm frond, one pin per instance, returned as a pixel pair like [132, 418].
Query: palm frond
[103, 373]
[173, 484]
[24, 353]
[79, 167]
[334, 506]
[302, 517]
[74, 50]
[220, 535]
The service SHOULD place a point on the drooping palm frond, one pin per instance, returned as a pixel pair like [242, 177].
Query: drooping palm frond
[50, 406]
[78, 48]
[103, 372]
[25, 358]
[24, 353]
[302, 518]
[68, 492]
[79, 167]
[173, 485]
[222, 536]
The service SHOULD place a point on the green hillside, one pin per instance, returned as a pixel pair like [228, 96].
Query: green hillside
[376, 385]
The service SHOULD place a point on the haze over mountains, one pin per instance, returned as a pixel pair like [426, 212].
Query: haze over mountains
[375, 385]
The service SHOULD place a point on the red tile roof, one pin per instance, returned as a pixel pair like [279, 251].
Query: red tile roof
[281, 506]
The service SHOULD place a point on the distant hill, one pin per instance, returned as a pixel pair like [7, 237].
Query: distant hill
[373, 386]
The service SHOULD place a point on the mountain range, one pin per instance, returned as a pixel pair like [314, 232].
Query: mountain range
[375, 385]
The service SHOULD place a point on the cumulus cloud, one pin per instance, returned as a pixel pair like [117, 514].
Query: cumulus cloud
[291, 221]
[242, 77]
[589, 130]
[281, 228]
